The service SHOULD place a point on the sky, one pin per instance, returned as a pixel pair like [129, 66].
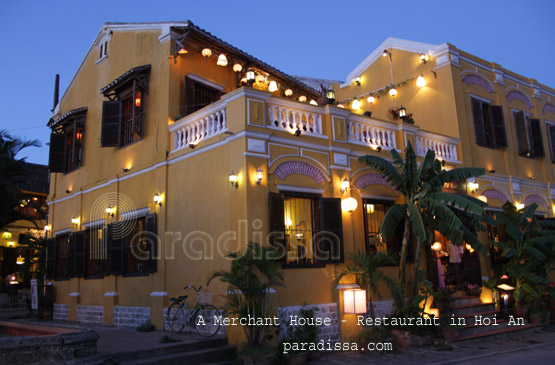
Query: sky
[322, 39]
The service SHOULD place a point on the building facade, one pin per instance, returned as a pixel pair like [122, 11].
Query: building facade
[167, 153]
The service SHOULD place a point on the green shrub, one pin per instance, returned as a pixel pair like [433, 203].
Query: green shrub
[146, 327]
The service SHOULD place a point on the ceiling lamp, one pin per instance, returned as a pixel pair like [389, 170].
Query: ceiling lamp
[288, 92]
[420, 82]
[273, 86]
[237, 67]
[356, 104]
[207, 52]
[222, 60]
[313, 102]
[371, 99]
[302, 98]
[393, 92]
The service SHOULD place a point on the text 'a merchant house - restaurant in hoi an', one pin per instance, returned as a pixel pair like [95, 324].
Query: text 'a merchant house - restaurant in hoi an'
[171, 128]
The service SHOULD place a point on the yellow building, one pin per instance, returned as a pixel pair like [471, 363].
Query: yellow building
[169, 130]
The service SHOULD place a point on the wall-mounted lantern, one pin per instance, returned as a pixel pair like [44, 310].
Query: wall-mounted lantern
[354, 301]
[158, 199]
[345, 185]
[259, 176]
[233, 180]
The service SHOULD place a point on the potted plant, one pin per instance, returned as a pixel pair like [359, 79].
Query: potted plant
[473, 290]
[300, 334]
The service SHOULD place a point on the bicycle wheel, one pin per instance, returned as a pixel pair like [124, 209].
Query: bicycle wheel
[175, 317]
[207, 320]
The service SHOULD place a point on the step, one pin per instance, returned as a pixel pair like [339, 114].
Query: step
[473, 329]
[471, 317]
[503, 332]
[462, 310]
[211, 355]
[466, 300]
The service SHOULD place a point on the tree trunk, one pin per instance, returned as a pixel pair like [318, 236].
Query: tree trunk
[372, 314]
[415, 278]
[403, 260]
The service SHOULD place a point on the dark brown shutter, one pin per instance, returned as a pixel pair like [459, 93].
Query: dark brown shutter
[329, 245]
[50, 258]
[479, 131]
[551, 131]
[111, 124]
[537, 143]
[151, 242]
[57, 146]
[277, 220]
[498, 126]
[70, 242]
[115, 248]
[189, 96]
[79, 254]
[521, 134]
[105, 251]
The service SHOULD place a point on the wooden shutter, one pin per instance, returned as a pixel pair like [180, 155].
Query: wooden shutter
[105, 252]
[551, 132]
[277, 220]
[536, 138]
[115, 248]
[56, 160]
[50, 258]
[152, 242]
[189, 96]
[111, 124]
[498, 126]
[70, 242]
[329, 245]
[479, 130]
[521, 133]
[79, 256]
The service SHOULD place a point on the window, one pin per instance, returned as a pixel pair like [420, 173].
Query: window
[198, 95]
[551, 139]
[95, 251]
[489, 126]
[528, 135]
[123, 113]
[32, 206]
[307, 227]
[103, 50]
[66, 141]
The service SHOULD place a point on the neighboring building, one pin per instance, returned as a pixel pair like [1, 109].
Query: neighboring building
[152, 129]
[33, 191]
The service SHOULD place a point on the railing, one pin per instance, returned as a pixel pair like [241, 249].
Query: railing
[291, 120]
[199, 126]
[445, 149]
[372, 135]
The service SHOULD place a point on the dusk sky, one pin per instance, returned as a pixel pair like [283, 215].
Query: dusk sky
[324, 39]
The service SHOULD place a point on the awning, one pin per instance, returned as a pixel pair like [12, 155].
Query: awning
[135, 72]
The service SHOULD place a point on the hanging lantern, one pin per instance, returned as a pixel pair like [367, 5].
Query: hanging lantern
[402, 112]
[420, 81]
[250, 76]
[302, 98]
[260, 78]
[436, 246]
[20, 260]
[273, 86]
[222, 60]
[349, 205]
[182, 50]
[371, 100]
[207, 52]
[313, 102]
[356, 104]
[288, 92]
[330, 95]
[393, 92]
[237, 67]
[138, 99]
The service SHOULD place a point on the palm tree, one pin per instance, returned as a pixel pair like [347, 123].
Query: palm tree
[12, 172]
[425, 203]
[253, 273]
[366, 270]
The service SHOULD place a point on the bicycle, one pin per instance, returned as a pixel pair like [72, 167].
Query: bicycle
[203, 314]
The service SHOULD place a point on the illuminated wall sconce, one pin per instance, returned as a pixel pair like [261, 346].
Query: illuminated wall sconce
[259, 176]
[192, 146]
[158, 199]
[492, 171]
[302, 98]
[233, 180]
[237, 67]
[47, 228]
[349, 205]
[75, 221]
[207, 52]
[251, 76]
[386, 53]
[519, 206]
[125, 169]
[420, 81]
[110, 210]
[330, 95]
[345, 185]
[222, 60]
[68, 191]
[180, 48]
[7, 235]
[357, 80]
[354, 301]
[472, 185]
[424, 58]
[370, 208]
[11, 243]
[288, 92]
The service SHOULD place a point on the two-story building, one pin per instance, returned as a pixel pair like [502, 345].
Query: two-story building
[170, 134]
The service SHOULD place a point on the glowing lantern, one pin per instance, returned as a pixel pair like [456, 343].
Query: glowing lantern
[354, 301]
[260, 78]
[20, 260]
[207, 52]
[302, 98]
[313, 102]
[370, 208]
[237, 67]
[288, 92]
[393, 92]
[345, 185]
[371, 100]
[436, 246]
[138, 99]
[420, 82]
[222, 60]
[483, 198]
[356, 104]
[273, 86]
[349, 205]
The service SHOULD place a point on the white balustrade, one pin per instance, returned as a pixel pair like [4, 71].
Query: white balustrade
[445, 150]
[295, 119]
[193, 130]
[371, 135]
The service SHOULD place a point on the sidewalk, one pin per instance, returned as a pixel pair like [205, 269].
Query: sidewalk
[456, 353]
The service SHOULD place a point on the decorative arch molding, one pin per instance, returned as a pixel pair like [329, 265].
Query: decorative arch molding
[519, 95]
[300, 168]
[534, 198]
[478, 80]
[371, 179]
[495, 194]
[549, 108]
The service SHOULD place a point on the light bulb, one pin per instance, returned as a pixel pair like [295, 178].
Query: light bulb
[371, 100]
[356, 104]
[420, 82]
[393, 92]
